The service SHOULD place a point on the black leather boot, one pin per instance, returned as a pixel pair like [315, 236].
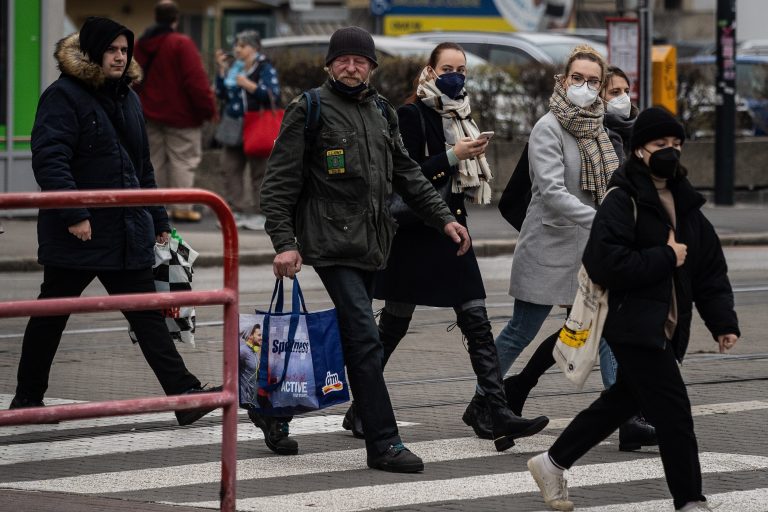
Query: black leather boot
[392, 330]
[276, 432]
[478, 418]
[635, 433]
[505, 425]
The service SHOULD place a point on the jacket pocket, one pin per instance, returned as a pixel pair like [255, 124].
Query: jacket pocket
[344, 230]
[557, 244]
[340, 154]
[91, 131]
[636, 321]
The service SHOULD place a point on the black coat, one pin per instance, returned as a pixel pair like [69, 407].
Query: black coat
[632, 260]
[423, 267]
[89, 134]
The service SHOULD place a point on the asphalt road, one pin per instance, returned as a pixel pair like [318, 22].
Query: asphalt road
[146, 462]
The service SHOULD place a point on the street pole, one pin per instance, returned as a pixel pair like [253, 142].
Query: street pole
[645, 17]
[725, 110]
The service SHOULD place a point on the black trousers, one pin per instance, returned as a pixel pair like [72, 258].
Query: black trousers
[351, 291]
[43, 334]
[647, 380]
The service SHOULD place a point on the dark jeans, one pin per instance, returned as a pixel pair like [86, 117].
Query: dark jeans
[43, 334]
[648, 380]
[351, 291]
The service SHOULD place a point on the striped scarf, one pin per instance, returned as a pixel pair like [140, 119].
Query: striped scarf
[474, 173]
[598, 158]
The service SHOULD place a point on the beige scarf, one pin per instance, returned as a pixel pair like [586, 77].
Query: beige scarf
[474, 173]
[598, 158]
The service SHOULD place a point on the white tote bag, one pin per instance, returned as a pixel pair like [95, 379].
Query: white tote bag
[576, 349]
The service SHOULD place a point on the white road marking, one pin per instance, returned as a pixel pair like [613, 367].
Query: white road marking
[90, 446]
[755, 500]
[271, 467]
[405, 494]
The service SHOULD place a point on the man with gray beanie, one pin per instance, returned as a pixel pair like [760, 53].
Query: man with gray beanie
[88, 135]
[329, 210]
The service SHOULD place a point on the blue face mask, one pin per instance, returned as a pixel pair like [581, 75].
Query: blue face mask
[450, 84]
[348, 89]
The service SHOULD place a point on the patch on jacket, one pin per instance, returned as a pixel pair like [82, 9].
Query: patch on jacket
[334, 162]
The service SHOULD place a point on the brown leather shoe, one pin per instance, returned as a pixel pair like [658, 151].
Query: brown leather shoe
[186, 215]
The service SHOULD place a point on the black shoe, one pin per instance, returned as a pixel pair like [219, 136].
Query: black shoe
[353, 422]
[276, 432]
[397, 459]
[516, 393]
[20, 402]
[636, 433]
[477, 416]
[191, 416]
[507, 427]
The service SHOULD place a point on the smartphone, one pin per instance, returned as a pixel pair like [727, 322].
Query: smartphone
[485, 135]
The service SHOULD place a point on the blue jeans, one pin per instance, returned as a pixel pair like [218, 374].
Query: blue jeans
[522, 328]
[351, 291]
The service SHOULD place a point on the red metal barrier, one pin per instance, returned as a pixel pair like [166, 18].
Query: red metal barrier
[227, 296]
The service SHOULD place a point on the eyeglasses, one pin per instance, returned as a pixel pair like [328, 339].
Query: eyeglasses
[592, 83]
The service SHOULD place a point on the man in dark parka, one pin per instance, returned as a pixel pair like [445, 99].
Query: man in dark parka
[89, 134]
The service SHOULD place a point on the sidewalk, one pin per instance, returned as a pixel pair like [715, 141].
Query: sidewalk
[492, 236]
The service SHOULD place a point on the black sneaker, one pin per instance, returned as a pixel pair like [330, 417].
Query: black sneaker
[276, 432]
[397, 459]
[20, 402]
[191, 416]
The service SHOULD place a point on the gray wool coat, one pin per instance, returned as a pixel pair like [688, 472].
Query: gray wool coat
[556, 227]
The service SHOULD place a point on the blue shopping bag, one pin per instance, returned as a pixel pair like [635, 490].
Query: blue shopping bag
[301, 363]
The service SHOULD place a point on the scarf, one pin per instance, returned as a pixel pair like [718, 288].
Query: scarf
[598, 158]
[474, 173]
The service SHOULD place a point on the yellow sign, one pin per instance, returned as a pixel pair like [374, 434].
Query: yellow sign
[664, 59]
[399, 25]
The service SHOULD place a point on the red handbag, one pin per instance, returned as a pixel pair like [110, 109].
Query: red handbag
[260, 129]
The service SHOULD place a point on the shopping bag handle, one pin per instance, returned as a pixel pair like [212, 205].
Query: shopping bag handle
[297, 306]
[277, 294]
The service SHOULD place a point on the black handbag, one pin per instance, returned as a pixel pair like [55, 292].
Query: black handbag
[230, 131]
[516, 197]
[403, 214]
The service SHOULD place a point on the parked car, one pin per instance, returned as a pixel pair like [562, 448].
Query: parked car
[753, 47]
[387, 46]
[751, 93]
[513, 48]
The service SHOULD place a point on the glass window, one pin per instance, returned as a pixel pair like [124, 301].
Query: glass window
[500, 55]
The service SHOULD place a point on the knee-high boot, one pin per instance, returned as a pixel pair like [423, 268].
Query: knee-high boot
[392, 329]
[506, 426]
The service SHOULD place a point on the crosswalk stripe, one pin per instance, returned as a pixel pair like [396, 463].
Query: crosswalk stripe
[162, 440]
[405, 494]
[755, 500]
[441, 450]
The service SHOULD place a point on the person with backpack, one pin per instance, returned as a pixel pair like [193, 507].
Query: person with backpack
[656, 253]
[422, 261]
[246, 84]
[337, 158]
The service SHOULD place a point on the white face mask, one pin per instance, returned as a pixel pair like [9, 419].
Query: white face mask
[620, 105]
[581, 96]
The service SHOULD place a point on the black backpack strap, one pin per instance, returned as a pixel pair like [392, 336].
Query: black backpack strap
[312, 121]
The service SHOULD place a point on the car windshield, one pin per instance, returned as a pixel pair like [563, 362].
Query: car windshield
[752, 80]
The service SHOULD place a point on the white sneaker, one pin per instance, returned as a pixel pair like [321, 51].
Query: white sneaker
[694, 506]
[553, 487]
[254, 222]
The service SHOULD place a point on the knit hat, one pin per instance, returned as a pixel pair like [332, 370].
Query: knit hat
[351, 41]
[97, 34]
[655, 123]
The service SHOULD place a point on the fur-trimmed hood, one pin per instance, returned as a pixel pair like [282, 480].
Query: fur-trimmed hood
[73, 62]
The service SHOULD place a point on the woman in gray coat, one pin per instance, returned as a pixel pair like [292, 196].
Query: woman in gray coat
[571, 160]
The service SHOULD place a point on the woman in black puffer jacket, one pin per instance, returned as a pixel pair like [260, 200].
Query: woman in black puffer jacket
[657, 254]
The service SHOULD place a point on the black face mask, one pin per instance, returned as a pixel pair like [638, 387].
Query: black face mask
[450, 84]
[348, 89]
[665, 163]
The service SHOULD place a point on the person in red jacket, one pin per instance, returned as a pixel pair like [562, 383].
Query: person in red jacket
[176, 97]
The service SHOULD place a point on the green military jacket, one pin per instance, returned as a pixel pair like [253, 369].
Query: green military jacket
[332, 206]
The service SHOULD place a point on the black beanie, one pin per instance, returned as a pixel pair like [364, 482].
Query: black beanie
[97, 34]
[351, 41]
[654, 123]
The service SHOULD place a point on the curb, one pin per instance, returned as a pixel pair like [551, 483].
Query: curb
[482, 248]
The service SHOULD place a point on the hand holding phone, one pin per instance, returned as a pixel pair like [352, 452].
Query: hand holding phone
[485, 135]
